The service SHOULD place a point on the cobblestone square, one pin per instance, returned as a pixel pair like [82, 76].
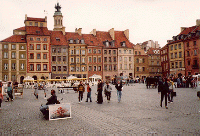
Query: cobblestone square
[138, 113]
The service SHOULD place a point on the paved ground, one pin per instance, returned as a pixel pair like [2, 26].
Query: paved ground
[138, 113]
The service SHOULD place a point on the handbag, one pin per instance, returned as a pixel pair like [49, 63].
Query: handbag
[174, 94]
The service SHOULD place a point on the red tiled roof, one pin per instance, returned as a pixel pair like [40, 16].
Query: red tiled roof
[15, 39]
[54, 38]
[150, 50]
[34, 30]
[73, 35]
[21, 28]
[35, 19]
[120, 37]
[90, 39]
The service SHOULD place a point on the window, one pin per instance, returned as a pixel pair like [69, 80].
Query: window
[53, 68]
[72, 60]
[64, 58]
[31, 67]
[45, 39]
[22, 56]
[38, 56]
[171, 47]
[22, 66]
[64, 50]
[172, 65]
[83, 52]
[114, 59]
[175, 54]
[13, 66]
[95, 59]
[90, 68]
[89, 51]
[139, 53]
[53, 50]
[123, 44]
[5, 66]
[143, 68]
[130, 66]
[94, 51]
[114, 51]
[195, 43]
[176, 63]
[77, 60]
[99, 51]
[107, 44]
[83, 60]
[38, 47]
[44, 67]
[124, 51]
[5, 77]
[95, 68]
[22, 47]
[31, 47]
[120, 51]
[105, 59]
[188, 53]
[83, 69]
[175, 46]
[38, 67]
[38, 39]
[137, 60]
[125, 59]
[105, 67]
[180, 64]
[135, 52]
[30, 23]
[143, 60]
[45, 56]
[82, 41]
[99, 68]
[71, 41]
[77, 69]
[5, 46]
[137, 68]
[105, 51]
[53, 58]
[36, 23]
[13, 77]
[180, 54]
[13, 46]
[77, 41]
[90, 59]
[5, 55]
[179, 46]
[44, 47]
[59, 68]
[59, 50]
[195, 52]
[59, 58]
[64, 68]
[109, 52]
[120, 58]
[31, 55]
[31, 38]
[188, 63]
[110, 60]
[115, 67]
[77, 51]
[125, 66]
[13, 55]
[172, 56]
[57, 39]
[72, 51]
[99, 59]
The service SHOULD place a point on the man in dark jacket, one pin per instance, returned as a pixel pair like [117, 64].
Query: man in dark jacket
[119, 88]
[164, 89]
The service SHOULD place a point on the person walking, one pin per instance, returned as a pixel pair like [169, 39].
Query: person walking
[164, 89]
[81, 90]
[107, 91]
[1, 97]
[9, 92]
[88, 93]
[119, 88]
[36, 90]
[99, 92]
[45, 89]
[171, 90]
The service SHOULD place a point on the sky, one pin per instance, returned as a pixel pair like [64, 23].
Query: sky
[157, 20]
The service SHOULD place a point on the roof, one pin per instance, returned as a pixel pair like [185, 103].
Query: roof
[120, 37]
[21, 28]
[57, 38]
[187, 30]
[35, 30]
[15, 39]
[90, 39]
[35, 19]
[151, 51]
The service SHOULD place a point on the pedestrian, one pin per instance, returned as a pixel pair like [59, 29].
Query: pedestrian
[36, 90]
[9, 92]
[119, 88]
[164, 88]
[99, 92]
[171, 90]
[88, 93]
[107, 91]
[45, 89]
[81, 90]
[1, 97]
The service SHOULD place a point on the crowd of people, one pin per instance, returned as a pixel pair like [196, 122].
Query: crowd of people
[185, 81]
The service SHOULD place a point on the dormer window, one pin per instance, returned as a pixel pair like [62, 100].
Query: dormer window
[30, 23]
[113, 43]
[22, 38]
[36, 23]
[123, 44]
[82, 41]
[71, 41]
[57, 39]
[77, 41]
[37, 31]
[107, 43]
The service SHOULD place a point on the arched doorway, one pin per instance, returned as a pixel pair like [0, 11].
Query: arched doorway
[21, 79]
[35, 77]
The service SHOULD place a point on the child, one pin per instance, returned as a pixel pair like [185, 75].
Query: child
[88, 93]
[1, 98]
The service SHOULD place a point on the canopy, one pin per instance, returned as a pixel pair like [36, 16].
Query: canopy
[71, 77]
[95, 76]
[28, 79]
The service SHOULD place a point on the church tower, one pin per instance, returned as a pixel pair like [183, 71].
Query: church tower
[58, 19]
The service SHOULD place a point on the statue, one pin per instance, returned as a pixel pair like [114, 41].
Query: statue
[57, 7]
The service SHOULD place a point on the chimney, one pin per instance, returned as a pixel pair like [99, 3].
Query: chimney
[126, 33]
[45, 18]
[25, 16]
[94, 32]
[63, 30]
[198, 22]
[112, 33]
[183, 28]
[78, 31]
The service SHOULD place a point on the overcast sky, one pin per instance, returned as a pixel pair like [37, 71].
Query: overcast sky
[156, 20]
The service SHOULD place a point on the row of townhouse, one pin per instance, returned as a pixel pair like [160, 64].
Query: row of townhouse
[181, 55]
[35, 51]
